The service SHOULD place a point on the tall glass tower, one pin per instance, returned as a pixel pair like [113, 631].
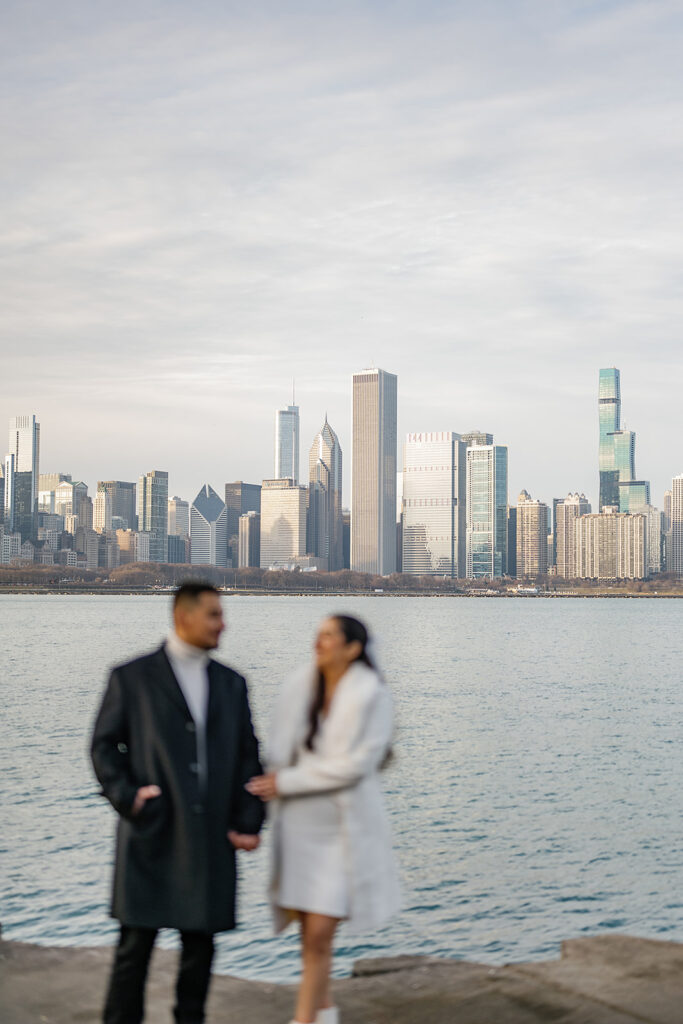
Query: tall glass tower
[325, 498]
[152, 512]
[487, 511]
[24, 445]
[609, 404]
[373, 499]
[287, 444]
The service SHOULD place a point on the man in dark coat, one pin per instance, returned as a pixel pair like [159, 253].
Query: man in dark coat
[173, 747]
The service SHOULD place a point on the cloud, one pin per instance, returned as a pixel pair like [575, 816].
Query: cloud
[199, 206]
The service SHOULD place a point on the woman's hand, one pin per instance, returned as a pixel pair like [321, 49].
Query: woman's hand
[263, 786]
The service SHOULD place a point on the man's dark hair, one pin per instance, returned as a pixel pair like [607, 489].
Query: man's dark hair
[189, 593]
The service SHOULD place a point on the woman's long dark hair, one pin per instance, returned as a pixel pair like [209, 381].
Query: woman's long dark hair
[352, 629]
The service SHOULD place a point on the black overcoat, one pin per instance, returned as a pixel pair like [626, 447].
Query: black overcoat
[175, 867]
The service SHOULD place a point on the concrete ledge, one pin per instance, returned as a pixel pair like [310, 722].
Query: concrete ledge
[611, 979]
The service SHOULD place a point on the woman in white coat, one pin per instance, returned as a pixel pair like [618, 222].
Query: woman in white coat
[332, 854]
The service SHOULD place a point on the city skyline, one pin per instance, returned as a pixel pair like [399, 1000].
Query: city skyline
[303, 526]
[234, 223]
[636, 490]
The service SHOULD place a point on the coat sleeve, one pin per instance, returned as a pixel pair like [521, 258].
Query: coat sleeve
[248, 812]
[109, 748]
[363, 736]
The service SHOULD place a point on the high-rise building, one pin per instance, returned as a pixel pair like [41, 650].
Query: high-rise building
[68, 497]
[675, 560]
[287, 443]
[178, 517]
[611, 545]
[617, 455]
[133, 546]
[24, 445]
[433, 510]
[475, 438]
[47, 485]
[240, 498]
[512, 540]
[346, 537]
[208, 529]
[2, 494]
[283, 523]
[655, 539]
[373, 499]
[102, 511]
[666, 510]
[567, 512]
[634, 495]
[532, 536]
[123, 500]
[325, 539]
[8, 494]
[609, 406]
[249, 554]
[179, 549]
[487, 510]
[86, 513]
[152, 512]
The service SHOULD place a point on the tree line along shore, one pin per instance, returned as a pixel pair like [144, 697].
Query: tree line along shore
[154, 577]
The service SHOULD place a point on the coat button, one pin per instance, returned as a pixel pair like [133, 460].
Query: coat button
[190, 726]
[194, 767]
[198, 808]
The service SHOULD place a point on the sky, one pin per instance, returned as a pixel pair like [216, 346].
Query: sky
[201, 202]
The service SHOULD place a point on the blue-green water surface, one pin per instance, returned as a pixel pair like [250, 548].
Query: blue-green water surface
[535, 792]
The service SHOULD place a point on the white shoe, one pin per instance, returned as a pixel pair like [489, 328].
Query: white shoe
[330, 1015]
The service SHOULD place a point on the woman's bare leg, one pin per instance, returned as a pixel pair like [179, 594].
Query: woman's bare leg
[317, 935]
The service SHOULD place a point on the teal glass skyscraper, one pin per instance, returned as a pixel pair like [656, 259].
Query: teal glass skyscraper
[487, 511]
[609, 400]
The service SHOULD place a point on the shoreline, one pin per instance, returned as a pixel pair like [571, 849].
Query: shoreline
[123, 591]
[605, 979]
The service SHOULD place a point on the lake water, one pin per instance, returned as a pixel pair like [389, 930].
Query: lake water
[535, 794]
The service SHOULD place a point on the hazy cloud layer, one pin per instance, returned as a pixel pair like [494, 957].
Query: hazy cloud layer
[200, 202]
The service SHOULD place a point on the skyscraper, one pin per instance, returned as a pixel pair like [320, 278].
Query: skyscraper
[617, 456]
[249, 554]
[283, 523]
[487, 510]
[611, 545]
[102, 511]
[208, 529]
[567, 512]
[152, 512]
[373, 498]
[675, 559]
[178, 517]
[532, 536]
[240, 498]
[123, 500]
[609, 408]
[24, 445]
[433, 506]
[325, 539]
[287, 443]
[634, 495]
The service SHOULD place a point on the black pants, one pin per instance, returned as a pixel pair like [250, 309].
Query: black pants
[126, 996]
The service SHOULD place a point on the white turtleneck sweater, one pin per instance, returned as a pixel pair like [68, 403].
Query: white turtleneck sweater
[189, 666]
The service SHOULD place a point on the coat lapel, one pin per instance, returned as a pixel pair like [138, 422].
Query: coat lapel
[165, 677]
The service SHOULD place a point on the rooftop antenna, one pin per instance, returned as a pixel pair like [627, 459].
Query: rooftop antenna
[293, 392]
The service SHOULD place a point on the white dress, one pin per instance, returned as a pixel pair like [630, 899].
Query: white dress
[332, 850]
[314, 874]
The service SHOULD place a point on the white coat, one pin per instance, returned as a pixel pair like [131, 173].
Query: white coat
[346, 761]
